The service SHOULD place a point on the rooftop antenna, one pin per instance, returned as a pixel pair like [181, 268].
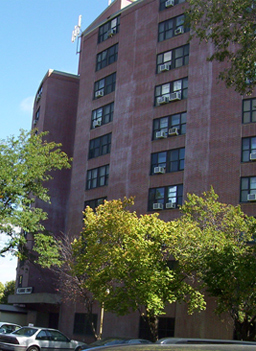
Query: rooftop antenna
[77, 33]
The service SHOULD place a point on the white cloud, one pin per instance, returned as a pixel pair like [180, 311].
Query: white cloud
[26, 104]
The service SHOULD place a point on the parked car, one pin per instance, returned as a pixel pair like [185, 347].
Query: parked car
[178, 347]
[197, 341]
[38, 339]
[6, 327]
[116, 341]
[137, 341]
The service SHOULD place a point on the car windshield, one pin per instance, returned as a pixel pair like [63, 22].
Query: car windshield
[25, 331]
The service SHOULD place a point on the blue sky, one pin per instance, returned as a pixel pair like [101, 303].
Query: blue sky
[35, 35]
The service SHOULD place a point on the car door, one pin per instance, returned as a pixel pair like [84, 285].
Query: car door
[59, 341]
[44, 341]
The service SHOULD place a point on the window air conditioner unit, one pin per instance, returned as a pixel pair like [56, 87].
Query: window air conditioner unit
[158, 206]
[96, 123]
[24, 290]
[159, 170]
[251, 197]
[164, 67]
[253, 156]
[173, 131]
[112, 32]
[161, 100]
[170, 205]
[179, 30]
[175, 96]
[161, 134]
[99, 93]
[169, 3]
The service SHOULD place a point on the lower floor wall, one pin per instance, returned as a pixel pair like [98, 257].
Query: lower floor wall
[16, 318]
[71, 319]
[175, 323]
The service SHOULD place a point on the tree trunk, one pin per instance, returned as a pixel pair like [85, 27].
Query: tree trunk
[245, 330]
[153, 327]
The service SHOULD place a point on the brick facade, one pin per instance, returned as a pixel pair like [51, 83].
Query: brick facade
[212, 141]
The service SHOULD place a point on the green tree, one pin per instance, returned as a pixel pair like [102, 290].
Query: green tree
[221, 236]
[128, 256]
[230, 26]
[9, 289]
[26, 164]
[1, 291]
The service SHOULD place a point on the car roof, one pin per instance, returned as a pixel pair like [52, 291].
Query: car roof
[201, 341]
[178, 347]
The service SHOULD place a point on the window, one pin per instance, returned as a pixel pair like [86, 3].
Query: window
[164, 124]
[248, 149]
[248, 187]
[171, 27]
[172, 59]
[166, 4]
[100, 146]
[105, 86]
[165, 197]
[94, 203]
[97, 177]
[82, 325]
[165, 328]
[172, 91]
[57, 336]
[20, 280]
[249, 110]
[168, 161]
[107, 57]
[102, 115]
[37, 115]
[109, 29]
[39, 93]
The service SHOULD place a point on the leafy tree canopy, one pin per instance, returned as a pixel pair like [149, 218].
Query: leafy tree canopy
[26, 164]
[129, 257]
[230, 25]
[222, 237]
[8, 289]
[1, 291]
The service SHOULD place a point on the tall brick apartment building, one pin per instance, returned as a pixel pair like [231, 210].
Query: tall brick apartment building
[147, 117]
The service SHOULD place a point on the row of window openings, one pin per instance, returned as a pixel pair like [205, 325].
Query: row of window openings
[167, 29]
[164, 93]
[248, 189]
[162, 127]
[167, 197]
[102, 145]
[165, 61]
[83, 326]
[170, 197]
[165, 4]
[161, 162]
